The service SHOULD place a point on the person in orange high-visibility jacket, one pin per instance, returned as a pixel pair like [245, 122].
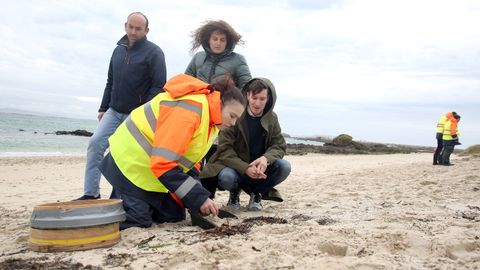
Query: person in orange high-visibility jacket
[154, 154]
[439, 135]
[450, 138]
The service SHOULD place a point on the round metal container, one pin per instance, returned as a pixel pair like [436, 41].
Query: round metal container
[76, 225]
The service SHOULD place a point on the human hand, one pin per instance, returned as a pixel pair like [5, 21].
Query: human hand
[251, 172]
[254, 173]
[260, 163]
[209, 207]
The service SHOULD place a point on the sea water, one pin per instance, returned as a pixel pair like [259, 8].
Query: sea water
[34, 135]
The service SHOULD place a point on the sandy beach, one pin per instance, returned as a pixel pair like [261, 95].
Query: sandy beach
[340, 212]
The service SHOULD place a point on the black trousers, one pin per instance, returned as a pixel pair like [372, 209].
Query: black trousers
[448, 147]
[142, 207]
[210, 183]
[436, 156]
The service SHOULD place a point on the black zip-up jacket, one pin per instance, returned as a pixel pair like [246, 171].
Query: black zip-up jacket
[135, 75]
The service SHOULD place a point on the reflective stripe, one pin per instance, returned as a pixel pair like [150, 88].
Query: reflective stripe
[79, 241]
[141, 140]
[185, 162]
[170, 155]
[152, 121]
[184, 188]
[164, 152]
[183, 104]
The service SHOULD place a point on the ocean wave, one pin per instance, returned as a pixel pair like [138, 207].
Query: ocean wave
[39, 154]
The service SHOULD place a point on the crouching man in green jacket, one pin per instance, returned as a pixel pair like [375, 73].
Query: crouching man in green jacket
[249, 154]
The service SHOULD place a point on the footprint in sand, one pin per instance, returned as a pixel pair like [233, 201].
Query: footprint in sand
[467, 252]
[333, 249]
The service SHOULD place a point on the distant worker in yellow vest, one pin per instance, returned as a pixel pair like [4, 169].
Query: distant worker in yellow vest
[450, 138]
[439, 137]
[153, 164]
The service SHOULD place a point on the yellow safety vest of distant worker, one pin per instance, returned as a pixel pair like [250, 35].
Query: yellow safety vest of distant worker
[450, 131]
[441, 124]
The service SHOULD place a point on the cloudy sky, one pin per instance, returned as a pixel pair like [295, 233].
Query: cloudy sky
[379, 70]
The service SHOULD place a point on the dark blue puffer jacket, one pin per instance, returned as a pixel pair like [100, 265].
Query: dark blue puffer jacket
[135, 75]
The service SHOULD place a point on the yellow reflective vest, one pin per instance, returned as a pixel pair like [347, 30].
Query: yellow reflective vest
[449, 130]
[131, 144]
[441, 124]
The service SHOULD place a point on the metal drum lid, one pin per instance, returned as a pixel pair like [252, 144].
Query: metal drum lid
[77, 214]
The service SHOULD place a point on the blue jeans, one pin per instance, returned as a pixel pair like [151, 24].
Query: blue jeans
[97, 146]
[277, 172]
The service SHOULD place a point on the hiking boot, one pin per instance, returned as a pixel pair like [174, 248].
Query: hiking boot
[88, 197]
[234, 200]
[255, 203]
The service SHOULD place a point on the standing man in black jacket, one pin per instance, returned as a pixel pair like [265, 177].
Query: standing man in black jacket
[136, 74]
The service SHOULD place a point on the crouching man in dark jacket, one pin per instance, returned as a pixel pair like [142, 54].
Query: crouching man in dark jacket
[249, 154]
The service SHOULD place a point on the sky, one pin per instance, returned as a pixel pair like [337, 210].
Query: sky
[378, 70]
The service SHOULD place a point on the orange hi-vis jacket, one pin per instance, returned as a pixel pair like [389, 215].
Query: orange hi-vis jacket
[451, 128]
[158, 145]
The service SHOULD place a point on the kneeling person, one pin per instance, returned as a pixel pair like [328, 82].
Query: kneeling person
[249, 154]
[154, 154]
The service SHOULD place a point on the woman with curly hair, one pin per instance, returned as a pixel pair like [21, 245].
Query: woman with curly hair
[218, 60]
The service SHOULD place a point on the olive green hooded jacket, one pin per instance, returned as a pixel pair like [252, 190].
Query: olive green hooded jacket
[233, 149]
[208, 66]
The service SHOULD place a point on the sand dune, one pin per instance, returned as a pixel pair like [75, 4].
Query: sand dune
[340, 212]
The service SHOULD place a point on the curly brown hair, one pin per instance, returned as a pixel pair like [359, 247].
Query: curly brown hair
[201, 36]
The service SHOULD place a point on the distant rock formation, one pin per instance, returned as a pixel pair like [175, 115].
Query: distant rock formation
[342, 140]
[344, 144]
[78, 132]
[345, 140]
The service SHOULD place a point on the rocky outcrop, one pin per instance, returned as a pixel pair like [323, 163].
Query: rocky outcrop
[342, 140]
[346, 141]
[78, 132]
[344, 144]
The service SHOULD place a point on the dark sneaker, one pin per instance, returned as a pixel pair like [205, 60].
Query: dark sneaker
[447, 164]
[272, 195]
[87, 197]
[255, 203]
[234, 200]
